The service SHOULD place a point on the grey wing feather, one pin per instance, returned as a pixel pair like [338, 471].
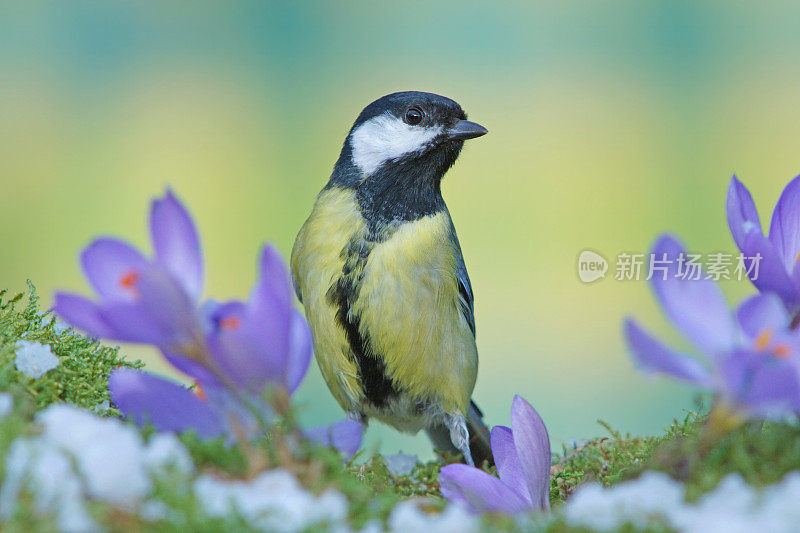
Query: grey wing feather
[465, 296]
[297, 291]
[292, 258]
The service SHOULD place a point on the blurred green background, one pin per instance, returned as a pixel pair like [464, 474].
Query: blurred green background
[609, 123]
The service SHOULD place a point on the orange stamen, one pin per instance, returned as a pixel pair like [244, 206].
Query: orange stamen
[128, 280]
[231, 322]
[199, 392]
[781, 351]
[762, 341]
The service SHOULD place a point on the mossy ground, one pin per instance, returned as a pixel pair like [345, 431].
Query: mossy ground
[81, 378]
[761, 453]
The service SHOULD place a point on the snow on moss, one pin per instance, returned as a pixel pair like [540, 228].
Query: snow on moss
[34, 359]
[656, 499]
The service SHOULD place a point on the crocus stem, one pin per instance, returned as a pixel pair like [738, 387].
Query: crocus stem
[201, 355]
[280, 401]
[721, 421]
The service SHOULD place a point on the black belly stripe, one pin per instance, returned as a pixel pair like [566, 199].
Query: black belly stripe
[376, 384]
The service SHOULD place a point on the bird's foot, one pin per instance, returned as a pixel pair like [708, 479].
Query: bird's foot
[459, 436]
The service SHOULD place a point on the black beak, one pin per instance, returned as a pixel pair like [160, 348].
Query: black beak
[464, 129]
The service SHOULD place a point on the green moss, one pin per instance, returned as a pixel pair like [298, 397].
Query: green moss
[761, 453]
[423, 480]
[81, 378]
[27, 520]
[215, 455]
[611, 459]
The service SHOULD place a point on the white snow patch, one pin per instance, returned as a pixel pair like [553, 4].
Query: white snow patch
[59, 327]
[165, 451]
[108, 453]
[272, 501]
[34, 359]
[400, 464]
[409, 516]
[102, 407]
[79, 456]
[6, 404]
[653, 494]
[655, 499]
[154, 510]
[48, 473]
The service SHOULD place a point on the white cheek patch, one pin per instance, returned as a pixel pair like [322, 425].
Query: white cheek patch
[385, 138]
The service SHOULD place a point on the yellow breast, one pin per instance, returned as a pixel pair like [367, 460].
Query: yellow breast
[317, 262]
[407, 301]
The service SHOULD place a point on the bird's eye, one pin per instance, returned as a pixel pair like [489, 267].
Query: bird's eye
[414, 116]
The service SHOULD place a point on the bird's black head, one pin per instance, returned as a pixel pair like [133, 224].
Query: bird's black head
[398, 150]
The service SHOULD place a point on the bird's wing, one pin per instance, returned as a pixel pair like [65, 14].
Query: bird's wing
[294, 262]
[465, 296]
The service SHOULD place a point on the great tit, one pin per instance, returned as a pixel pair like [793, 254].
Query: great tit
[378, 267]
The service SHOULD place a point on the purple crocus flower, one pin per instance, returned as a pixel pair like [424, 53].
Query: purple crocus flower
[778, 270]
[143, 300]
[751, 358]
[344, 436]
[234, 351]
[251, 345]
[167, 405]
[265, 340]
[522, 456]
[210, 411]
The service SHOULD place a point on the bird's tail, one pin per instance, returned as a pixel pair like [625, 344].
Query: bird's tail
[479, 445]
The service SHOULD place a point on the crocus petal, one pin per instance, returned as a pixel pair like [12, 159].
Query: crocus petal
[345, 436]
[274, 280]
[226, 315]
[269, 313]
[761, 384]
[762, 312]
[742, 214]
[81, 313]
[509, 467]
[784, 230]
[176, 243]
[165, 404]
[301, 346]
[533, 449]
[239, 359]
[161, 315]
[251, 345]
[158, 286]
[132, 322]
[256, 348]
[771, 274]
[696, 307]
[238, 412]
[192, 368]
[652, 356]
[479, 491]
[170, 305]
[112, 268]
